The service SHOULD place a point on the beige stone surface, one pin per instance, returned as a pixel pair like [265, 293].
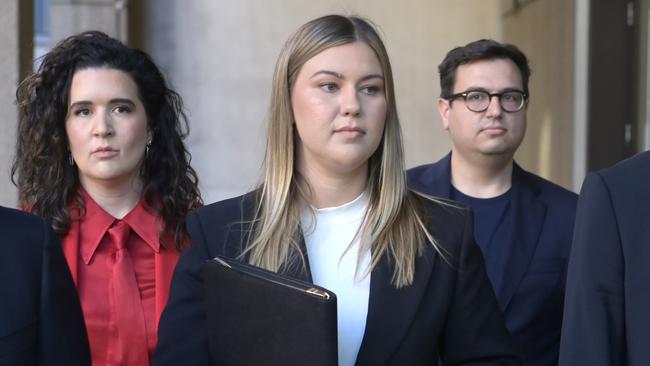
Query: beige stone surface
[71, 17]
[9, 74]
[220, 55]
[544, 30]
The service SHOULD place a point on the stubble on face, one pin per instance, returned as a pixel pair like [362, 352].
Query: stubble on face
[493, 133]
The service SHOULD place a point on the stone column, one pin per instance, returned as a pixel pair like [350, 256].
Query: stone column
[544, 31]
[219, 55]
[15, 62]
[68, 17]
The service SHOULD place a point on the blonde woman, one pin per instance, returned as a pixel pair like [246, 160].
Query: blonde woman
[333, 208]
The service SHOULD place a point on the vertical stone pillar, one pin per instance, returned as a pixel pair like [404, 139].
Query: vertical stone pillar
[219, 55]
[68, 17]
[545, 31]
[16, 17]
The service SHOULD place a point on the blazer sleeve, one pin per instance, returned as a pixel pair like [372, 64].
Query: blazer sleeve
[475, 332]
[62, 332]
[593, 329]
[183, 333]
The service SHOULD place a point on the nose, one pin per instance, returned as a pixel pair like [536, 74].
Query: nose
[103, 125]
[350, 104]
[494, 108]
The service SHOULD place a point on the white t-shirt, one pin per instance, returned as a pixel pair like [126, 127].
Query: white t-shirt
[328, 233]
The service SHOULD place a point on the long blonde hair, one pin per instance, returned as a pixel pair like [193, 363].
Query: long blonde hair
[394, 224]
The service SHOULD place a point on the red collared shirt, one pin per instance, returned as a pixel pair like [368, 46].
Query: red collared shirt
[112, 343]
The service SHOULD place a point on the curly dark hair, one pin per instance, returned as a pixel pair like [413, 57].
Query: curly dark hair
[49, 187]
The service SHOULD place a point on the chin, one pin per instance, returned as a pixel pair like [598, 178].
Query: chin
[498, 151]
[346, 166]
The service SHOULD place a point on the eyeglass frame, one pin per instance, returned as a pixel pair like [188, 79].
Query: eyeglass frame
[464, 94]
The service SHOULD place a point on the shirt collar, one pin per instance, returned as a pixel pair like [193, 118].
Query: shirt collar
[146, 224]
[96, 222]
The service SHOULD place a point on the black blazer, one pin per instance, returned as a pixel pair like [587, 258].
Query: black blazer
[607, 308]
[531, 293]
[40, 317]
[449, 311]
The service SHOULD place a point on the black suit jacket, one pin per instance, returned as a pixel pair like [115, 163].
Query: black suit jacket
[449, 311]
[607, 308]
[531, 293]
[40, 317]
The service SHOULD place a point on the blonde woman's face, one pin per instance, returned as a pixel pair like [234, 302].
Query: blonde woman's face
[339, 109]
[106, 127]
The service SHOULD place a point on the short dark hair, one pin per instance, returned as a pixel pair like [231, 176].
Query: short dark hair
[484, 49]
[47, 184]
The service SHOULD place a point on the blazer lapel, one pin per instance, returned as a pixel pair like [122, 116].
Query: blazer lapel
[70, 246]
[528, 214]
[391, 310]
[238, 235]
[235, 243]
[295, 268]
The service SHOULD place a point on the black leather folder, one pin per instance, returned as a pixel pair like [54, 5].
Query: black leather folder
[258, 317]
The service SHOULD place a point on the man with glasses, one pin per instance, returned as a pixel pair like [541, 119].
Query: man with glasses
[523, 223]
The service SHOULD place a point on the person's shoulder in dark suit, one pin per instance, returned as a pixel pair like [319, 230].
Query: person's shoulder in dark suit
[606, 319]
[422, 175]
[551, 191]
[41, 322]
[630, 176]
[560, 202]
[426, 178]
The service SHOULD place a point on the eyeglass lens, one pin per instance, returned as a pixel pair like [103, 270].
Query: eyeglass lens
[479, 101]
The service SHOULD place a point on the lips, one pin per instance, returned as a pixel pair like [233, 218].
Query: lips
[104, 152]
[350, 129]
[493, 129]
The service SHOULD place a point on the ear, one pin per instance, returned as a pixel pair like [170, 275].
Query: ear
[444, 108]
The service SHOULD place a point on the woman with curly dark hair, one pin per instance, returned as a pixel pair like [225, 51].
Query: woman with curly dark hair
[100, 155]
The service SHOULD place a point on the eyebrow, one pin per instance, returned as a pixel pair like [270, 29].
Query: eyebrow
[340, 76]
[504, 90]
[112, 101]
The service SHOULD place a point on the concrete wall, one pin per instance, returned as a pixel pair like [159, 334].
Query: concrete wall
[643, 123]
[15, 60]
[68, 17]
[16, 57]
[544, 31]
[220, 55]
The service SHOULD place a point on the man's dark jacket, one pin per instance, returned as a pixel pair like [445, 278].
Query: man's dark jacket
[607, 309]
[41, 322]
[531, 294]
